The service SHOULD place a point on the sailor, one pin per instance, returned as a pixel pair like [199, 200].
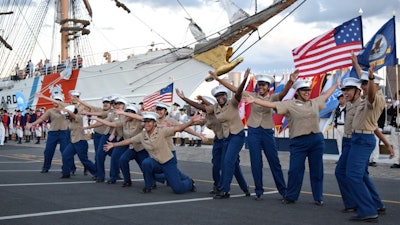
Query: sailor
[261, 132]
[127, 152]
[175, 115]
[161, 159]
[339, 121]
[77, 145]
[182, 118]
[351, 93]
[165, 121]
[363, 142]
[58, 132]
[2, 129]
[395, 130]
[218, 148]
[306, 139]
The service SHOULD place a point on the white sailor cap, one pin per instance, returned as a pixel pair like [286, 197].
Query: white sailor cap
[351, 82]
[106, 99]
[132, 107]
[265, 78]
[364, 77]
[58, 97]
[147, 116]
[212, 101]
[121, 100]
[113, 97]
[219, 89]
[304, 84]
[162, 105]
[74, 93]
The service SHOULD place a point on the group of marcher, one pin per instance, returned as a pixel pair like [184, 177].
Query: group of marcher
[13, 126]
[124, 132]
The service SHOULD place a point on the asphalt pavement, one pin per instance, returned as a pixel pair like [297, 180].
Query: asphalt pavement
[29, 197]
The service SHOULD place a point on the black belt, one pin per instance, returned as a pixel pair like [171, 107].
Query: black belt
[341, 124]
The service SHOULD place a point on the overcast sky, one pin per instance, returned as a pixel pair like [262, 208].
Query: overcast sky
[163, 22]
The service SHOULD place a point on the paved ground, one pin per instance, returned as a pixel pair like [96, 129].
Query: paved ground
[29, 197]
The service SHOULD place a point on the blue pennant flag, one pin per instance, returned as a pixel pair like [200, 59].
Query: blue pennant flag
[381, 48]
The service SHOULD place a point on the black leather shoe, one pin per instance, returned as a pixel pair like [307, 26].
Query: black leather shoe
[99, 180]
[349, 210]
[213, 191]
[395, 166]
[194, 188]
[287, 201]
[258, 198]
[373, 164]
[222, 195]
[65, 176]
[373, 218]
[127, 184]
[144, 190]
[247, 193]
[382, 210]
[44, 171]
[111, 182]
[154, 186]
[319, 203]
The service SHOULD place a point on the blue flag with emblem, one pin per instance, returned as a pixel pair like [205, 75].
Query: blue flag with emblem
[381, 48]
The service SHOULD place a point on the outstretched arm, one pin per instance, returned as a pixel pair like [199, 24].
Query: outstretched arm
[385, 141]
[288, 85]
[223, 82]
[190, 102]
[332, 89]
[250, 99]
[238, 94]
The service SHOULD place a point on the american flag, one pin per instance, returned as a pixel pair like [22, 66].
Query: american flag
[329, 51]
[163, 95]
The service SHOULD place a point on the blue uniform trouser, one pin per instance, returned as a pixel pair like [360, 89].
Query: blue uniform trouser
[114, 162]
[218, 146]
[101, 157]
[81, 149]
[218, 152]
[233, 144]
[262, 140]
[361, 187]
[178, 181]
[311, 146]
[126, 157]
[54, 137]
[160, 177]
[340, 173]
[96, 141]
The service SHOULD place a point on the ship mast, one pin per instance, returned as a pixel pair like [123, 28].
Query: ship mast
[64, 27]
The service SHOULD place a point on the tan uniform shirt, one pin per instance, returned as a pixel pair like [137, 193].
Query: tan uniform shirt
[168, 122]
[75, 127]
[155, 143]
[103, 128]
[303, 117]
[112, 117]
[58, 121]
[214, 125]
[367, 114]
[131, 129]
[260, 115]
[228, 116]
[350, 112]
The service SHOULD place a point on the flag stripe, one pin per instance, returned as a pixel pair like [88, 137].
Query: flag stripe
[329, 51]
[164, 95]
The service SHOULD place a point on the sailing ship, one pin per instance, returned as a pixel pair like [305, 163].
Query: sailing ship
[134, 78]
